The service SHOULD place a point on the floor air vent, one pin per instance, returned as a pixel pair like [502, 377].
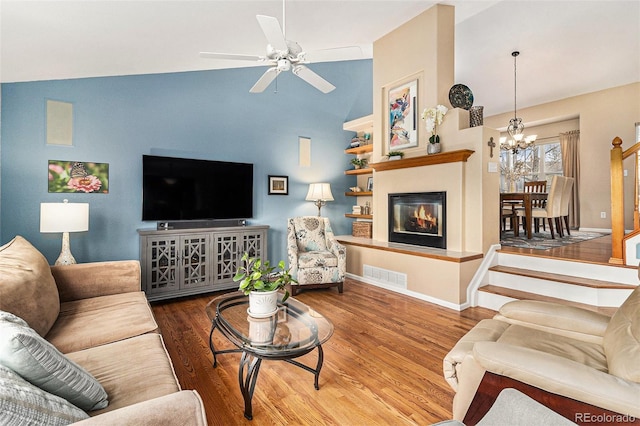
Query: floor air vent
[384, 276]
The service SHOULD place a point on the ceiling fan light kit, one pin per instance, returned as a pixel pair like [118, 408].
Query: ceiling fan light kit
[283, 55]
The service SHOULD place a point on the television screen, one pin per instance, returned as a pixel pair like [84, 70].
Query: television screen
[187, 189]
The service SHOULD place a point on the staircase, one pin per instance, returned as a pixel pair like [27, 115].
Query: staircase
[510, 276]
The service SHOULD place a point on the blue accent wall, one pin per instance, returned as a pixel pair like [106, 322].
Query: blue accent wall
[204, 115]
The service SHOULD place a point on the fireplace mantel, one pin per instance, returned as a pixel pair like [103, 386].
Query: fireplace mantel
[425, 160]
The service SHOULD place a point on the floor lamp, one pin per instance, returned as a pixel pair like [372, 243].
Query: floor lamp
[320, 193]
[64, 217]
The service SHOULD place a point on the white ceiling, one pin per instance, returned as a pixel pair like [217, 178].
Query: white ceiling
[567, 47]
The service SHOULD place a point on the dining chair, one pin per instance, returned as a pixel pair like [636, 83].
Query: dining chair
[551, 211]
[567, 193]
[534, 186]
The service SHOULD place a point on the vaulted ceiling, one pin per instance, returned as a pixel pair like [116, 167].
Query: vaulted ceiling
[567, 47]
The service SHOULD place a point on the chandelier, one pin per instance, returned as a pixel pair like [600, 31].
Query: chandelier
[516, 128]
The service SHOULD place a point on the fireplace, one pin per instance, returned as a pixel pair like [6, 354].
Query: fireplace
[418, 218]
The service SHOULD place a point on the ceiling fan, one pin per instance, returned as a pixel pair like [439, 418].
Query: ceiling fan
[286, 55]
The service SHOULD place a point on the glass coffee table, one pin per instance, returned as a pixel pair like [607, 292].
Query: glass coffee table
[294, 330]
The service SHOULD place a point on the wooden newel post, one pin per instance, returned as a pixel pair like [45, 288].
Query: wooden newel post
[617, 202]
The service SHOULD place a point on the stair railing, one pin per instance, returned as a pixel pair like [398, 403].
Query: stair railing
[617, 198]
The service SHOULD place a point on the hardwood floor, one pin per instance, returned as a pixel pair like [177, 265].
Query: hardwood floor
[382, 366]
[597, 250]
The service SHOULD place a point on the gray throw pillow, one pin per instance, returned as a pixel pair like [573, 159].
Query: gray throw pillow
[21, 403]
[40, 363]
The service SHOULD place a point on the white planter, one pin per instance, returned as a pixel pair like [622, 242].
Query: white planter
[261, 330]
[263, 303]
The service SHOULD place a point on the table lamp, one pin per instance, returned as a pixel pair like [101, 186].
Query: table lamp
[320, 193]
[64, 217]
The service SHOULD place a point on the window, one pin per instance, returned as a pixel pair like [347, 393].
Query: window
[540, 162]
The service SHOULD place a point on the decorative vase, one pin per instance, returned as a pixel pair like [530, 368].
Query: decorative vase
[395, 157]
[433, 148]
[263, 303]
[476, 116]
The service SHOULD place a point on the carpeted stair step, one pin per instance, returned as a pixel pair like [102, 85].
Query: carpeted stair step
[566, 279]
[524, 295]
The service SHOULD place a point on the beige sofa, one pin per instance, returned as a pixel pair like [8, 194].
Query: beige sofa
[579, 361]
[64, 328]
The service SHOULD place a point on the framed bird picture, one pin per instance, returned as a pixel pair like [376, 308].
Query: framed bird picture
[78, 176]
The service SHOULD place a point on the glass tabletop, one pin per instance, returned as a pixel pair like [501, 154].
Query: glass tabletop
[294, 328]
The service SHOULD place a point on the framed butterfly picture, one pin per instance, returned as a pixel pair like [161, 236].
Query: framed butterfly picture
[78, 176]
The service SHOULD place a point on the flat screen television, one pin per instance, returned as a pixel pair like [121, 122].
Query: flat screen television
[188, 189]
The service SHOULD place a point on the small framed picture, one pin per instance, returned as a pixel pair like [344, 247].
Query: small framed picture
[278, 185]
[370, 184]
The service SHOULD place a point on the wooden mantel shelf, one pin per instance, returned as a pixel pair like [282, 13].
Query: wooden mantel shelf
[425, 160]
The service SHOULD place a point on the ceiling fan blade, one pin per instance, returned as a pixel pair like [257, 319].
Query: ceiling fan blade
[272, 31]
[334, 54]
[313, 79]
[264, 81]
[233, 56]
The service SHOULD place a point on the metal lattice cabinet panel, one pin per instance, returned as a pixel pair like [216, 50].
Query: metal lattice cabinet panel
[227, 255]
[195, 261]
[161, 269]
[254, 243]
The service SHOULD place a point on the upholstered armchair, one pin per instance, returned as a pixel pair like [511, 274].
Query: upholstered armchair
[574, 361]
[316, 258]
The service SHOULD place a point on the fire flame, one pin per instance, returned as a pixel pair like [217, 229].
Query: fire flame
[424, 219]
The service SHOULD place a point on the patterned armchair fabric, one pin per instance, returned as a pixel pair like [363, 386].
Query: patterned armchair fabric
[315, 256]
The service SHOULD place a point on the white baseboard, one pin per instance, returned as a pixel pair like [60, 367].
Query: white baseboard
[410, 293]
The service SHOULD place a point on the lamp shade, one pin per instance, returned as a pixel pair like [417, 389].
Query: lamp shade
[64, 217]
[319, 191]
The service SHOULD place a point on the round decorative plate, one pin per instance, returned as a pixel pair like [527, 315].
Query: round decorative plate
[460, 96]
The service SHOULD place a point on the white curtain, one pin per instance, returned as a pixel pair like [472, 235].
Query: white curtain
[570, 146]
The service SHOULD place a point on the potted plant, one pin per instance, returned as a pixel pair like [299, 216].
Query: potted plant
[433, 117]
[359, 162]
[395, 155]
[261, 282]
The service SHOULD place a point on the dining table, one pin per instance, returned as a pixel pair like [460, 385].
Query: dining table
[527, 199]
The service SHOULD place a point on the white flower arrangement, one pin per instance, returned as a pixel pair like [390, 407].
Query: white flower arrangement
[433, 117]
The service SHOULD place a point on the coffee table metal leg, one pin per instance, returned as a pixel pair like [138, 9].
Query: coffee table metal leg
[248, 380]
[318, 367]
[213, 351]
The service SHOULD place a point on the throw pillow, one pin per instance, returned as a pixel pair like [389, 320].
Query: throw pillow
[39, 362]
[27, 288]
[21, 403]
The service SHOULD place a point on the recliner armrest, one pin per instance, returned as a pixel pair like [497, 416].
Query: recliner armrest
[560, 376]
[554, 318]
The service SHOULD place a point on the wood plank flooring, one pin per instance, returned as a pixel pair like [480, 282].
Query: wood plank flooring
[382, 366]
[597, 250]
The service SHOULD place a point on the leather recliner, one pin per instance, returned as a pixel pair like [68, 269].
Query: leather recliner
[566, 352]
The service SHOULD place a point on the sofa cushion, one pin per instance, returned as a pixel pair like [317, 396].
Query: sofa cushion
[131, 370]
[39, 362]
[27, 288]
[622, 339]
[590, 354]
[21, 403]
[313, 259]
[99, 320]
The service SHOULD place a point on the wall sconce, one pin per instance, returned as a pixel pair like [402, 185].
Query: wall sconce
[64, 217]
[320, 193]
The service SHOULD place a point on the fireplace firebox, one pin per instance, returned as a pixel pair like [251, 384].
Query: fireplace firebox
[418, 218]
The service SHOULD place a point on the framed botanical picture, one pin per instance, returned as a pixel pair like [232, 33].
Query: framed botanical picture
[370, 183]
[77, 176]
[402, 101]
[278, 185]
